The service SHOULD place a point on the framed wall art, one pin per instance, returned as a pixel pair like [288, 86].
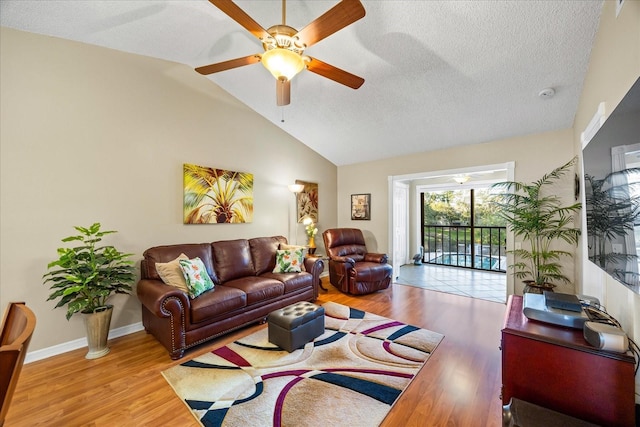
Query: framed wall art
[361, 206]
[307, 201]
[217, 196]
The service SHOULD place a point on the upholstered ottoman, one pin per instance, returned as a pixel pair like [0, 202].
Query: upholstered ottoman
[290, 328]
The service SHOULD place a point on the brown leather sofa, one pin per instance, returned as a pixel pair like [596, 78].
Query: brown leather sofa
[246, 290]
[351, 268]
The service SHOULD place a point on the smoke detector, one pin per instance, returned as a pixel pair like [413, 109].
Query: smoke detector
[547, 93]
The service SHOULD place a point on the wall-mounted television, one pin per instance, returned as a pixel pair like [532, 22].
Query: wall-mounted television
[612, 192]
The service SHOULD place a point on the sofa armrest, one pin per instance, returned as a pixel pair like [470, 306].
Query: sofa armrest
[315, 266]
[166, 312]
[153, 294]
[373, 257]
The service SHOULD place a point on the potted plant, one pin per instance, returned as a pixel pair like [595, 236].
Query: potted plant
[310, 230]
[537, 215]
[84, 277]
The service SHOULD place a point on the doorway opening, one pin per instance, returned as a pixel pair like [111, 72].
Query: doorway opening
[478, 246]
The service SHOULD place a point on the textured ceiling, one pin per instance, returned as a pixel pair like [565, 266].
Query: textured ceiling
[437, 73]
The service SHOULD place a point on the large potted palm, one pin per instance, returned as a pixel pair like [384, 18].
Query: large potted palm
[84, 277]
[536, 215]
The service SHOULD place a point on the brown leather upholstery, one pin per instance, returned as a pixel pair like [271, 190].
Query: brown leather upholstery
[246, 290]
[17, 328]
[351, 268]
[232, 259]
[170, 252]
[263, 249]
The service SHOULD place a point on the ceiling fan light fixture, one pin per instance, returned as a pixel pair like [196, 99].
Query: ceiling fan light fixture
[282, 63]
[461, 179]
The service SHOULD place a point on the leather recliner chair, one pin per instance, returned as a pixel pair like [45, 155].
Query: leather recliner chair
[351, 268]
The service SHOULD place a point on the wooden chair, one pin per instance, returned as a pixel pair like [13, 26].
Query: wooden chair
[17, 328]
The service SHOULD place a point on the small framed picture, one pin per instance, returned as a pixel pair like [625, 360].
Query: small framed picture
[361, 206]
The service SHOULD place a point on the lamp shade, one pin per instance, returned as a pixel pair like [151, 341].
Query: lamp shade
[296, 188]
[282, 63]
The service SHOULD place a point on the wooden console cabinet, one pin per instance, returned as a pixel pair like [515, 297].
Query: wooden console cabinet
[554, 367]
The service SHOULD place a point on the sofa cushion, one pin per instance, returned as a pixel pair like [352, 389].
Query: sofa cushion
[263, 252]
[289, 261]
[232, 259]
[168, 253]
[258, 288]
[371, 271]
[195, 274]
[171, 273]
[218, 301]
[292, 281]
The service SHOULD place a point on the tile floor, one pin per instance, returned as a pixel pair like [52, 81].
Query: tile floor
[484, 285]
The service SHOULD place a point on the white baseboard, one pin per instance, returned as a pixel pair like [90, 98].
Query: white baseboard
[33, 356]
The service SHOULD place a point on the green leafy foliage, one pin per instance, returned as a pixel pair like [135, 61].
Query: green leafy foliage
[85, 276]
[535, 213]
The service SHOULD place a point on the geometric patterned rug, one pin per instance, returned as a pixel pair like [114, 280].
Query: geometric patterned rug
[349, 376]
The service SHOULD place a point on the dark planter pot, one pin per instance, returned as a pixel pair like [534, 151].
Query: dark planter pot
[533, 288]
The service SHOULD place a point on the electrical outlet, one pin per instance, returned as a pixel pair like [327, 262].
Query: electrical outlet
[616, 248]
[518, 245]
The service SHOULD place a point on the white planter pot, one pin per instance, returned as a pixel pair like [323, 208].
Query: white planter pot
[97, 326]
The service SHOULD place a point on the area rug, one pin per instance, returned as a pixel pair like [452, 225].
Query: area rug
[349, 376]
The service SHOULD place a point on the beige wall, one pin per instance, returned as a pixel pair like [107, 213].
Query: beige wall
[94, 135]
[613, 68]
[532, 155]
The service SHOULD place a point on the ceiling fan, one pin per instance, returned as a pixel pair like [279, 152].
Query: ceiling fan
[284, 46]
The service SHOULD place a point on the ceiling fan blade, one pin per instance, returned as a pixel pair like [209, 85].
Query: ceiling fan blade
[344, 13]
[241, 17]
[283, 92]
[227, 65]
[334, 73]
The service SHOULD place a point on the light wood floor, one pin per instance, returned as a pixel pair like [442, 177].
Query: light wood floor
[458, 386]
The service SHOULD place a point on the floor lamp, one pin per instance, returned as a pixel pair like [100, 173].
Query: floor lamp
[295, 189]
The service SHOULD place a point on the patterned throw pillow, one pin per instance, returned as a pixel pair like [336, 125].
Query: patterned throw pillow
[289, 261]
[284, 246]
[195, 274]
[171, 273]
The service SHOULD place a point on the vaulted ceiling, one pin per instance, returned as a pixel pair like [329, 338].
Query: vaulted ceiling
[437, 73]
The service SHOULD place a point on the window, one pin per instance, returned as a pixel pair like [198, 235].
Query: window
[460, 228]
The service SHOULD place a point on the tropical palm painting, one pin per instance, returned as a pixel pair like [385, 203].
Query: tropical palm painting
[307, 201]
[217, 195]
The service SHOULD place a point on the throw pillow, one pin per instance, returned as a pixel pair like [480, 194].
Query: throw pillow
[171, 273]
[195, 274]
[284, 246]
[289, 261]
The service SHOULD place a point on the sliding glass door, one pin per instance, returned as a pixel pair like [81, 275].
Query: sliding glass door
[460, 228]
